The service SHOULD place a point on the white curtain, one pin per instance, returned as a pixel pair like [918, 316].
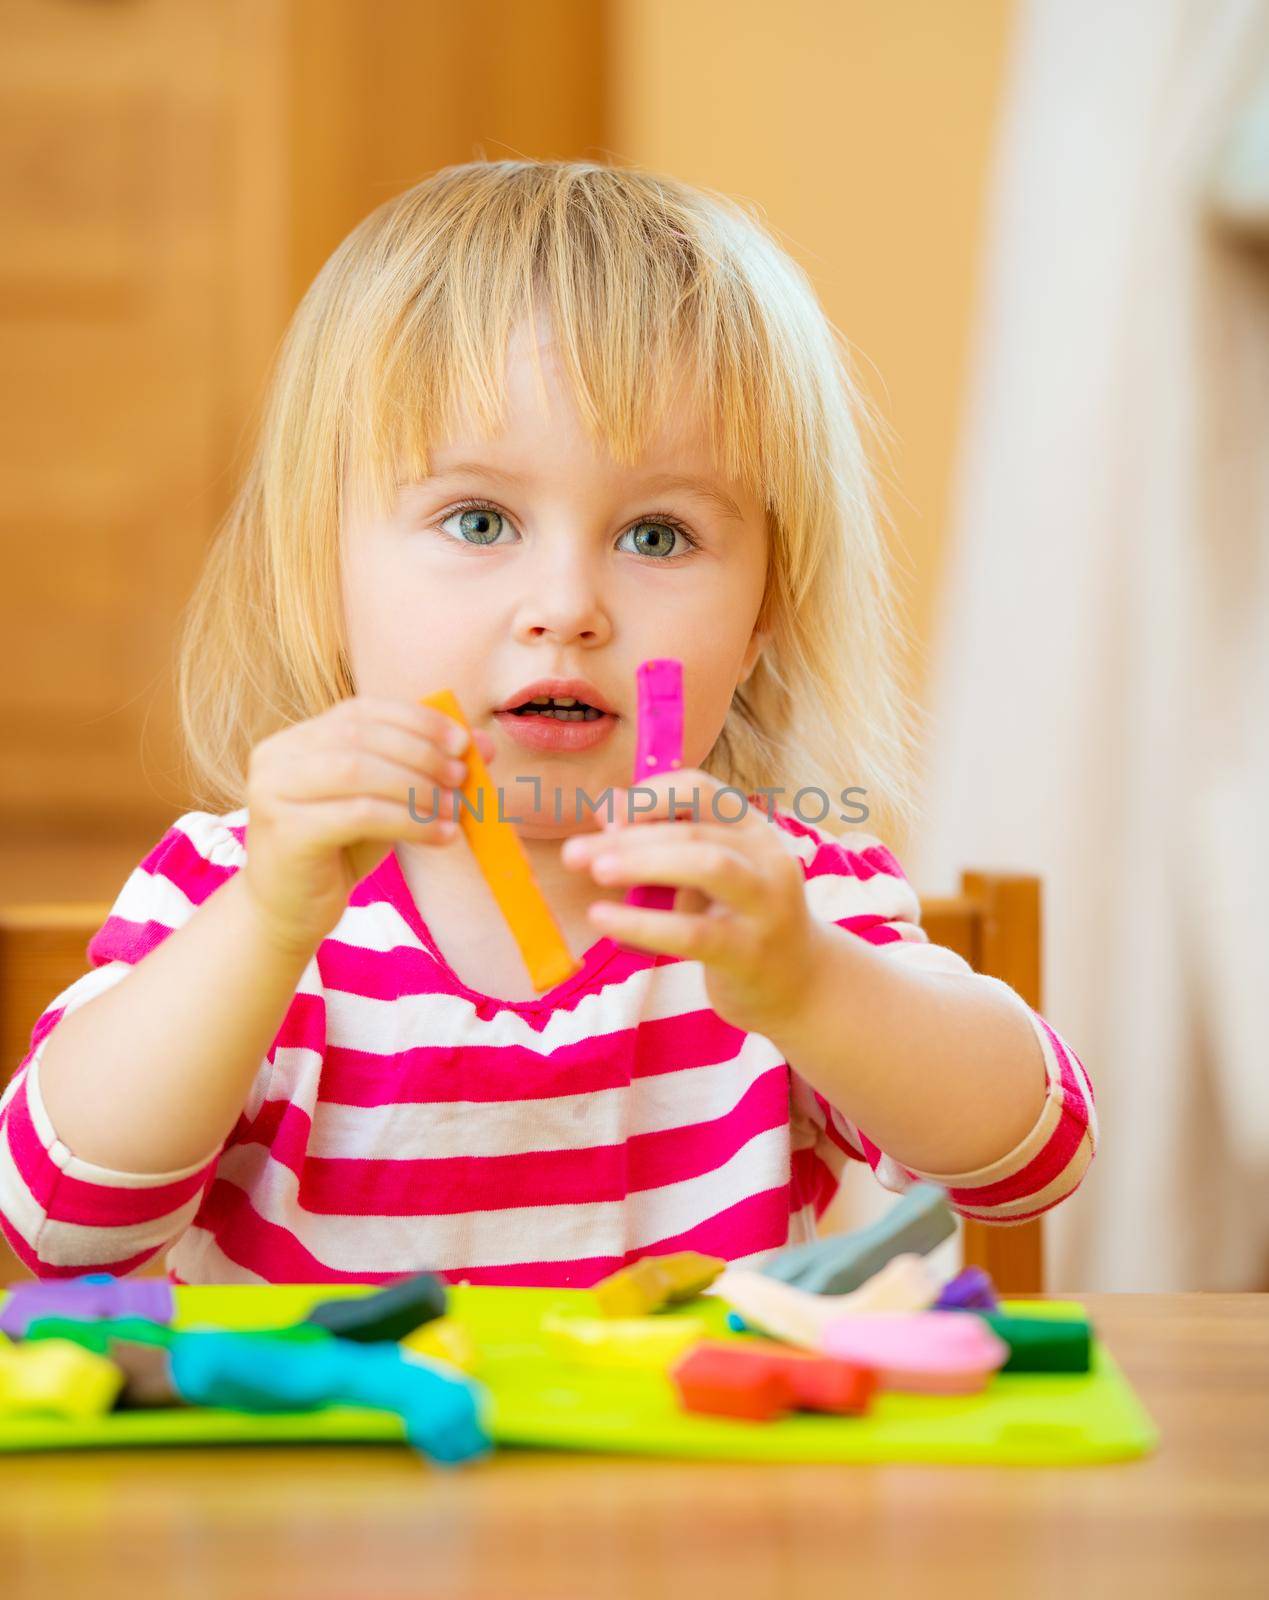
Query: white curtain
[1100, 683]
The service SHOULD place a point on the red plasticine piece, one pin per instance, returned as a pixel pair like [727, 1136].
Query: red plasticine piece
[760, 1381]
[839, 1387]
[658, 748]
[714, 1379]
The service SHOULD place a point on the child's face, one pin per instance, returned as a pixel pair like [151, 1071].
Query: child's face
[567, 569]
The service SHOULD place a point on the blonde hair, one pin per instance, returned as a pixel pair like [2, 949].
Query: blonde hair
[409, 320]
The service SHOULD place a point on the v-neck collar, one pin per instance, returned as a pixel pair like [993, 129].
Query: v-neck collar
[389, 880]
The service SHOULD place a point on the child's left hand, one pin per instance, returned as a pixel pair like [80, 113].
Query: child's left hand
[741, 906]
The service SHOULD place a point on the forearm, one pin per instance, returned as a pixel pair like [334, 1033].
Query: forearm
[943, 1071]
[150, 1076]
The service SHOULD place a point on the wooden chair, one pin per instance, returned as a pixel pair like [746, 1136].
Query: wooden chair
[994, 923]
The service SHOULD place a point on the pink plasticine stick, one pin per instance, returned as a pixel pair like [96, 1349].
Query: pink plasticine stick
[658, 748]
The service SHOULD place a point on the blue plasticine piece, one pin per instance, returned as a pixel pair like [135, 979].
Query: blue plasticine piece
[94, 1296]
[736, 1322]
[837, 1265]
[254, 1372]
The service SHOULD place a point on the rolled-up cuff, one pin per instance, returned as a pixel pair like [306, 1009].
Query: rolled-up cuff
[1050, 1160]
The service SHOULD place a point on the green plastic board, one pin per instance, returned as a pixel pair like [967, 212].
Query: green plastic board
[539, 1401]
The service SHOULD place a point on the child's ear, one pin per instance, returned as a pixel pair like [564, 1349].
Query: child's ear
[753, 650]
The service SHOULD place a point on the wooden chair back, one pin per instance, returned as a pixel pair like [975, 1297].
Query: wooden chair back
[994, 923]
[43, 949]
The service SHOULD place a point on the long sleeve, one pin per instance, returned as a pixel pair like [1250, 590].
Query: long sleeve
[861, 887]
[60, 1214]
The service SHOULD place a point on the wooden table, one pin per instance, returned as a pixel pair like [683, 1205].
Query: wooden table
[376, 1522]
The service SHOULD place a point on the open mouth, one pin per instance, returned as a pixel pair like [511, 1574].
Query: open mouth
[561, 709]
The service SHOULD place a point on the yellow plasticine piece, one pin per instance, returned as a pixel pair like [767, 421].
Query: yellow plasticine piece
[622, 1341]
[57, 1377]
[446, 1340]
[655, 1281]
[506, 868]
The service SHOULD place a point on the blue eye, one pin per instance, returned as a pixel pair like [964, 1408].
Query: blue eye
[664, 548]
[477, 525]
[481, 524]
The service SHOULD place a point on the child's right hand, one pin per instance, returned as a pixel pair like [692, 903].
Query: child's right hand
[327, 797]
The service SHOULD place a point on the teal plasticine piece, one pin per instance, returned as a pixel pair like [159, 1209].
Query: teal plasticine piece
[96, 1336]
[258, 1372]
[1042, 1344]
[914, 1225]
[388, 1314]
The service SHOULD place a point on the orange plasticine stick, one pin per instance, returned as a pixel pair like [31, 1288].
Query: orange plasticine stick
[501, 857]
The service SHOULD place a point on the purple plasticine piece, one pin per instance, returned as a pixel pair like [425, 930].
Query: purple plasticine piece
[658, 748]
[88, 1299]
[971, 1290]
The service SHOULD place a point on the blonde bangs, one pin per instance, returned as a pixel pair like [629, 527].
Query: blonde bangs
[609, 263]
[405, 331]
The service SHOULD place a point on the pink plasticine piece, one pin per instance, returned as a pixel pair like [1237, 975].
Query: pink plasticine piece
[658, 748]
[923, 1352]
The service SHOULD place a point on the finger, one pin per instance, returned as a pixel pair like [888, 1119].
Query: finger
[327, 775]
[417, 752]
[345, 821]
[582, 849]
[424, 721]
[685, 795]
[716, 871]
[672, 933]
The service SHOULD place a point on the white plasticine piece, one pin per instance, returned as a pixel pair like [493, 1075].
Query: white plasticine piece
[771, 1307]
[905, 1283]
[785, 1312]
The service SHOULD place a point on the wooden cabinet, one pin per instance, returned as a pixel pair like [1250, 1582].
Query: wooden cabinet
[172, 174]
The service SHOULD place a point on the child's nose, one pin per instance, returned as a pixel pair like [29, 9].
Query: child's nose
[563, 602]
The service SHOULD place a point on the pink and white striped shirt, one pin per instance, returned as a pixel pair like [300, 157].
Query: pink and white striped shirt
[401, 1120]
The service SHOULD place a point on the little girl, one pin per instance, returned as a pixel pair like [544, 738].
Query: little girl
[533, 423]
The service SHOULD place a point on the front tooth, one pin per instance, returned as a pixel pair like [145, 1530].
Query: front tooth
[541, 700]
[564, 700]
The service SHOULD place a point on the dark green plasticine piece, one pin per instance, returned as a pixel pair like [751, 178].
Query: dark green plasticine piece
[1041, 1344]
[300, 1332]
[388, 1315]
[914, 1225]
[96, 1336]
